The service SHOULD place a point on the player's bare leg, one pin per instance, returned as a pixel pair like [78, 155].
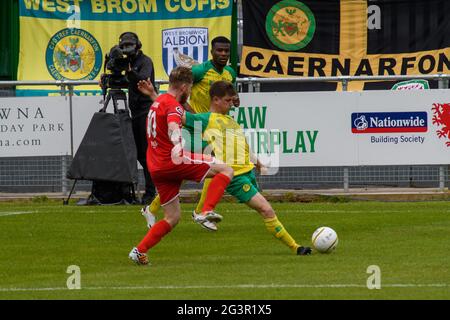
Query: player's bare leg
[273, 225]
[172, 212]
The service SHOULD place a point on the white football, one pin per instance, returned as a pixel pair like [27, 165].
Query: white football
[324, 239]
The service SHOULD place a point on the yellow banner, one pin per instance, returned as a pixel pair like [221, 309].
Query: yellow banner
[68, 40]
[271, 63]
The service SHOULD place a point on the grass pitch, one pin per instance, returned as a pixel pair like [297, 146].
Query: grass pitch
[409, 242]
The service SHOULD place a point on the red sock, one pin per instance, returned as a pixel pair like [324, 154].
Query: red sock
[215, 191]
[154, 235]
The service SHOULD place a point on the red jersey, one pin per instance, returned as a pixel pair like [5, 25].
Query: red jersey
[165, 109]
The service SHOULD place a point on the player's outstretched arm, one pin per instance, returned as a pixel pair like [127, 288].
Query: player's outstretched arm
[174, 133]
[260, 167]
[146, 87]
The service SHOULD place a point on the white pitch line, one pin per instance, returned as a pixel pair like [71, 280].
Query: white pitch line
[242, 286]
[13, 213]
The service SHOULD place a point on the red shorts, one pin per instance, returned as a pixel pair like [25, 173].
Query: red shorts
[168, 180]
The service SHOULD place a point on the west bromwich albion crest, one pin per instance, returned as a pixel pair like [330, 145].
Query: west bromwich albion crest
[184, 47]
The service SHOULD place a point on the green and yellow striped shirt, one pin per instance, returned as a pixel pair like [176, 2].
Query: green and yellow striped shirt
[204, 75]
[226, 138]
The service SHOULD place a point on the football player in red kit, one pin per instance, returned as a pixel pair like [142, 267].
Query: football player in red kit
[169, 165]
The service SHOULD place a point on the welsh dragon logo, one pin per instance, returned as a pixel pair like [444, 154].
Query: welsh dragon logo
[282, 27]
[290, 25]
[441, 118]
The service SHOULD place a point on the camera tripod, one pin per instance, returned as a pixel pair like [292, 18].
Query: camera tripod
[116, 95]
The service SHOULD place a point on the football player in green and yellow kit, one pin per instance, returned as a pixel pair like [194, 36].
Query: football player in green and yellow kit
[228, 142]
[216, 69]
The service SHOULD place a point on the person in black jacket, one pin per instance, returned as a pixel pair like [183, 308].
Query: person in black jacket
[141, 68]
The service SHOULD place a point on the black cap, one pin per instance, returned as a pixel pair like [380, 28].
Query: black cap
[127, 38]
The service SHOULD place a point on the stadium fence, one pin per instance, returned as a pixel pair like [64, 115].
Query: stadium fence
[45, 174]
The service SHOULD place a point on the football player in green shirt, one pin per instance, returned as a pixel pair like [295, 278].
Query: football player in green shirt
[229, 144]
[216, 69]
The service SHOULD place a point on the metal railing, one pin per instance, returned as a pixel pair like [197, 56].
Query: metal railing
[13, 173]
[443, 80]
[66, 85]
